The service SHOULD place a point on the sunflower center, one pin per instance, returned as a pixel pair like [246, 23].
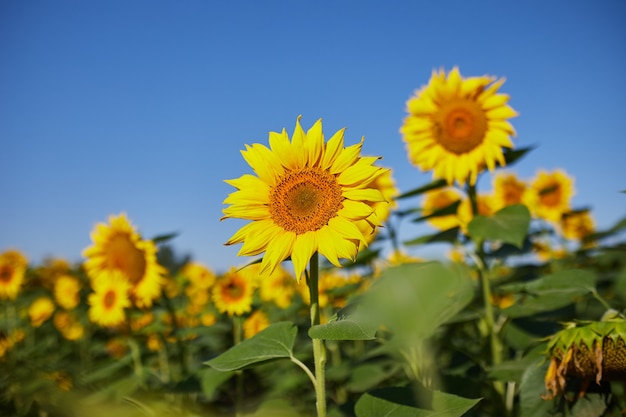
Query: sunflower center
[550, 196]
[233, 291]
[460, 126]
[123, 255]
[109, 299]
[305, 200]
[5, 274]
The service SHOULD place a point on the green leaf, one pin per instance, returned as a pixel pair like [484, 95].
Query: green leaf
[532, 387]
[511, 156]
[450, 236]
[350, 328]
[164, 238]
[212, 379]
[509, 225]
[274, 342]
[431, 186]
[549, 292]
[402, 402]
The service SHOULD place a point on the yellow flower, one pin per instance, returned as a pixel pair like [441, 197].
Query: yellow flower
[387, 186]
[253, 324]
[109, 300]
[118, 247]
[436, 200]
[457, 126]
[232, 293]
[68, 325]
[577, 225]
[199, 275]
[333, 289]
[40, 310]
[278, 287]
[8, 341]
[208, 319]
[12, 269]
[67, 291]
[551, 195]
[466, 214]
[307, 197]
[117, 347]
[508, 190]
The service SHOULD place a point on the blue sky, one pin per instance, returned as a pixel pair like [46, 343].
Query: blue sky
[143, 106]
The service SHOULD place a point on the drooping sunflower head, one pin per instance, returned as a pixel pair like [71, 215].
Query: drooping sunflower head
[440, 199]
[67, 291]
[551, 195]
[233, 293]
[456, 126]
[118, 247]
[508, 189]
[109, 299]
[306, 197]
[12, 269]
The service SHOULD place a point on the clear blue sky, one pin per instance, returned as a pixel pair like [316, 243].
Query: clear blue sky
[143, 106]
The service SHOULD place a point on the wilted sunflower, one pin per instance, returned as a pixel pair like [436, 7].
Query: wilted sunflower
[593, 352]
[508, 189]
[109, 299]
[439, 199]
[232, 293]
[40, 310]
[551, 195]
[67, 291]
[118, 247]
[254, 323]
[306, 198]
[457, 126]
[12, 269]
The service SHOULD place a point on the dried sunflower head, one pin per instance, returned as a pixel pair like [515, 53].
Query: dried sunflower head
[592, 352]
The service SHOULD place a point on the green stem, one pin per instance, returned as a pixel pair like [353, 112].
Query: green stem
[319, 351]
[237, 338]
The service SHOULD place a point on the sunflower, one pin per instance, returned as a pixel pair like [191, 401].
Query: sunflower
[67, 291]
[253, 324]
[387, 186]
[198, 275]
[551, 195]
[508, 189]
[232, 293]
[68, 325]
[439, 199]
[306, 198]
[40, 310]
[457, 126]
[279, 288]
[577, 225]
[12, 269]
[109, 300]
[118, 247]
[465, 213]
[7, 341]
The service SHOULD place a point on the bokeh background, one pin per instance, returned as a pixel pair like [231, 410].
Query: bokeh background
[143, 106]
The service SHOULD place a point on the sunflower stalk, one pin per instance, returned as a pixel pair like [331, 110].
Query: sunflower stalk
[237, 338]
[319, 350]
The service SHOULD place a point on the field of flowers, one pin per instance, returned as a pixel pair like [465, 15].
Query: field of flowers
[331, 315]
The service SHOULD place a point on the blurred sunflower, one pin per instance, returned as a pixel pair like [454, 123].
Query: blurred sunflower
[198, 275]
[232, 293]
[307, 197]
[438, 199]
[12, 268]
[551, 195]
[457, 126]
[508, 189]
[68, 325]
[256, 322]
[577, 225]
[109, 300]
[8, 341]
[40, 310]
[387, 186]
[279, 288]
[67, 291]
[485, 205]
[118, 247]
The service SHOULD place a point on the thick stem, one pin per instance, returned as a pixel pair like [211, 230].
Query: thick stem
[319, 350]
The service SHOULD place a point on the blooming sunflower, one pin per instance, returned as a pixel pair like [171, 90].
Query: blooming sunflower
[199, 275]
[12, 269]
[508, 189]
[436, 200]
[40, 310]
[457, 126]
[67, 291]
[109, 300]
[278, 287]
[306, 198]
[256, 322]
[551, 195]
[387, 186]
[232, 293]
[577, 225]
[118, 247]
[68, 325]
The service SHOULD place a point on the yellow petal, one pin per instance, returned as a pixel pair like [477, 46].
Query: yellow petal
[334, 146]
[303, 249]
[347, 157]
[356, 210]
[314, 144]
[278, 249]
[367, 194]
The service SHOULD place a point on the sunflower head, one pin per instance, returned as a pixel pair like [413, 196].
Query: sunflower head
[40, 310]
[439, 199]
[68, 325]
[198, 275]
[508, 189]
[465, 213]
[279, 287]
[109, 299]
[67, 291]
[307, 196]
[233, 293]
[254, 323]
[118, 247]
[456, 126]
[12, 269]
[577, 225]
[551, 195]
[593, 352]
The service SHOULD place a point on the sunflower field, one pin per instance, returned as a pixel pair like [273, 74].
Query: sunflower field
[329, 314]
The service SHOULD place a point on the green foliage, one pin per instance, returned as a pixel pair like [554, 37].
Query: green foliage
[509, 225]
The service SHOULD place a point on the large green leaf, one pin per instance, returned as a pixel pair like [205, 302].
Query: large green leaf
[532, 387]
[356, 327]
[549, 292]
[274, 342]
[509, 225]
[406, 402]
[412, 300]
